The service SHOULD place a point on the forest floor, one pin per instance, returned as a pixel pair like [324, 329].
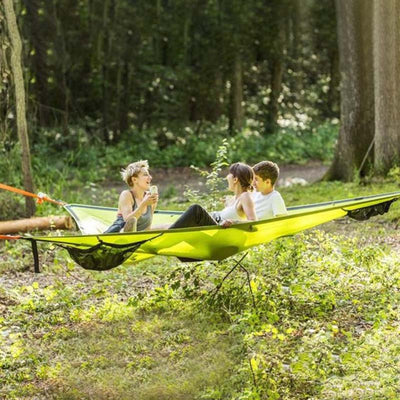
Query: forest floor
[327, 329]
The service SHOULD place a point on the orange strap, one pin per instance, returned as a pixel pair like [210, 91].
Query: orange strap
[8, 237]
[39, 197]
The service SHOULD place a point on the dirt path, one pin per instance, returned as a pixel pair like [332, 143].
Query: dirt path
[311, 172]
[174, 180]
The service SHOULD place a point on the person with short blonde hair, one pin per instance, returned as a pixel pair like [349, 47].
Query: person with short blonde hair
[133, 170]
[135, 206]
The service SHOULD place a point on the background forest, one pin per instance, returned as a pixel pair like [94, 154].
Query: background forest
[168, 79]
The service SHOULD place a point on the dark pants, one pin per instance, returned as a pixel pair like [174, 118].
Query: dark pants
[116, 226]
[195, 215]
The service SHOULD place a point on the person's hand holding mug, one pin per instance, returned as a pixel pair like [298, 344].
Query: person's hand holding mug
[153, 193]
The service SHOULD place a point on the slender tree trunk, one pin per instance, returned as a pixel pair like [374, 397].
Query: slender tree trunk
[118, 95]
[296, 17]
[37, 29]
[276, 70]
[125, 93]
[16, 67]
[333, 95]
[334, 82]
[105, 44]
[387, 84]
[215, 104]
[5, 100]
[186, 35]
[357, 91]
[120, 80]
[157, 34]
[276, 73]
[236, 93]
[62, 67]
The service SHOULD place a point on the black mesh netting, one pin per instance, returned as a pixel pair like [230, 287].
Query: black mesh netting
[102, 256]
[365, 213]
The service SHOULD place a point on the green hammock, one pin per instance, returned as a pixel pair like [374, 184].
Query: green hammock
[94, 250]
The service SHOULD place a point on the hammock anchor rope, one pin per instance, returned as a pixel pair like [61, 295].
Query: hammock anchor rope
[40, 197]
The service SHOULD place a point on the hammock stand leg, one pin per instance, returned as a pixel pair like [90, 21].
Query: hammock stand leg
[35, 256]
[240, 265]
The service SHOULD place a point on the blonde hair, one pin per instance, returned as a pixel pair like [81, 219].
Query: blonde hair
[132, 170]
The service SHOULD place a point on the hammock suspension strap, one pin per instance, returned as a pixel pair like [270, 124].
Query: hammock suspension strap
[40, 197]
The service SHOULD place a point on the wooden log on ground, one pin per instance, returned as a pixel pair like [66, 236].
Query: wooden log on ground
[36, 223]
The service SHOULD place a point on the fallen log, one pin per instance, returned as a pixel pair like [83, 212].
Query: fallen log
[36, 223]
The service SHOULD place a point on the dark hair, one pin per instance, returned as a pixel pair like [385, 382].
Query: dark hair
[267, 170]
[244, 173]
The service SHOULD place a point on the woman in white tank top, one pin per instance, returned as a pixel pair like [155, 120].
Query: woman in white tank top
[239, 208]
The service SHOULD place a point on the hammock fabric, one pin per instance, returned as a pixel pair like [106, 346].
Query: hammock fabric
[97, 251]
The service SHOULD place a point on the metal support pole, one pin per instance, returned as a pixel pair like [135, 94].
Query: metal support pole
[237, 264]
[35, 256]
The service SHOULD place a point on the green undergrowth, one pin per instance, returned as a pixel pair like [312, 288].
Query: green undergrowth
[183, 146]
[320, 322]
[314, 316]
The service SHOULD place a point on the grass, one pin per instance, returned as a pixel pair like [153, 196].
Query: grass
[162, 358]
[102, 337]
[326, 323]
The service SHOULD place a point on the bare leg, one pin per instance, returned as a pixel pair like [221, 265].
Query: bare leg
[130, 225]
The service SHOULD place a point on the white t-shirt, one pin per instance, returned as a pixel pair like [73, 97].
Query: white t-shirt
[268, 205]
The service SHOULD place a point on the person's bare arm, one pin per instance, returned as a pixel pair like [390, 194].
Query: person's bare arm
[246, 202]
[125, 204]
[248, 206]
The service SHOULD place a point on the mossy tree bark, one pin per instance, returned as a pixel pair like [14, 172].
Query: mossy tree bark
[357, 90]
[387, 84]
[16, 67]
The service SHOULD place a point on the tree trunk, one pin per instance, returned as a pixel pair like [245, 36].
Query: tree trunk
[105, 70]
[296, 17]
[62, 65]
[215, 105]
[38, 223]
[5, 73]
[125, 94]
[387, 86]
[357, 91]
[236, 94]
[38, 29]
[16, 67]
[333, 93]
[276, 70]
